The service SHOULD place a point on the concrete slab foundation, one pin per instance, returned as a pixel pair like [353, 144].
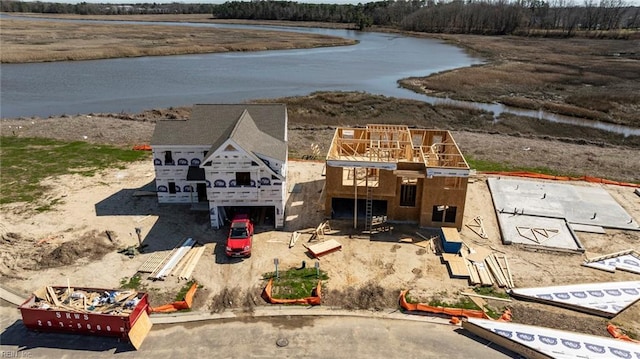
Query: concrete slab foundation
[538, 231]
[586, 205]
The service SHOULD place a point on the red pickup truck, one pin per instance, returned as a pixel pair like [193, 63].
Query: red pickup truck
[240, 237]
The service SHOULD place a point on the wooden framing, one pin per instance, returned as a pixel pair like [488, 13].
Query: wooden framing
[378, 162]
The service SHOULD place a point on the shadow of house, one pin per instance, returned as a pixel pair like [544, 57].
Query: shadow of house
[172, 225]
[17, 335]
[304, 208]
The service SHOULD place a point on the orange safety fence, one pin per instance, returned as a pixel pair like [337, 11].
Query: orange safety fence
[453, 312]
[564, 178]
[617, 333]
[176, 306]
[142, 148]
[314, 299]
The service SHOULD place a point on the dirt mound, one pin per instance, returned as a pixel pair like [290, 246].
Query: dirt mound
[370, 296]
[230, 298]
[92, 245]
[17, 251]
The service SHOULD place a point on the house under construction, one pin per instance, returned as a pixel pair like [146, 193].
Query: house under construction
[392, 172]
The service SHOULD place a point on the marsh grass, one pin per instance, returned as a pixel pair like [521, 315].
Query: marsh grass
[28, 161]
[40, 41]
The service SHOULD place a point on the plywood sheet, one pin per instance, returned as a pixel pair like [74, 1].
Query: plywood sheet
[451, 235]
[140, 330]
[456, 264]
[325, 247]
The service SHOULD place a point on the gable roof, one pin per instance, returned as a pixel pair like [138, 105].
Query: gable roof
[259, 128]
[247, 134]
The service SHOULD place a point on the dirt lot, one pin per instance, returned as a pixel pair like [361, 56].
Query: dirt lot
[71, 243]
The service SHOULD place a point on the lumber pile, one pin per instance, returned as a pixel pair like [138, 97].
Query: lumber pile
[487, 268]
[98, 301]
[481, 265]
[167, 267]
[188, 263]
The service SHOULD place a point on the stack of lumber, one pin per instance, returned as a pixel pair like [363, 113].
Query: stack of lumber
[172, 260]
[481, 265]
[456, 264]
[86, 300]
[487, 268]
[188, 263]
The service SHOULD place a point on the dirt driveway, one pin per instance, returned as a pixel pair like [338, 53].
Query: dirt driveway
[71, 244]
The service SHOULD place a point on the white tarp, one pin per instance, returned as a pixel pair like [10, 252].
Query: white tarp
[560, 344]
[600, 298]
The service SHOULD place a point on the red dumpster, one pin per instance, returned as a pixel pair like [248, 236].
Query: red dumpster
[104, 312]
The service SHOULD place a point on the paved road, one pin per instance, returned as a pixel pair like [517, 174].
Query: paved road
[305, 337]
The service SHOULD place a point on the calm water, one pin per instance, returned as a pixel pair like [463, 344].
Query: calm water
[132, 85]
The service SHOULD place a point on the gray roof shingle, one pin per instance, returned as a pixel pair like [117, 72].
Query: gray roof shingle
[261, 130]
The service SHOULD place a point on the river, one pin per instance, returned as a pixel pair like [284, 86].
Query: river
[130, 85]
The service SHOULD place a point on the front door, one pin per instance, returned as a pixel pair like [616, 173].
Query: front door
[202, 192]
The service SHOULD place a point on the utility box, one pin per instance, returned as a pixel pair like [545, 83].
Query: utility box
[451, 241]
[127, 319]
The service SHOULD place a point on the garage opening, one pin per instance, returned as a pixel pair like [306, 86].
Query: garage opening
[342, 208]
[259, 215]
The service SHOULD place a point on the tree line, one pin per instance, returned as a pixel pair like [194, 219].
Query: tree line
[487, 17]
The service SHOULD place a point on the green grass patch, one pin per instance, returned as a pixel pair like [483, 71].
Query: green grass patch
[25, 162]
[295, 283]
[131, 283]
[463, 302]
[183, 291]
[491, 292]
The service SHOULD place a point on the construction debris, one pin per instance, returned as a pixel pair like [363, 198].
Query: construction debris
[474, 295]
[320, 231]
[294, 237]
[477, 226]
[628, 260]
[86, 300]
[482, 266]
